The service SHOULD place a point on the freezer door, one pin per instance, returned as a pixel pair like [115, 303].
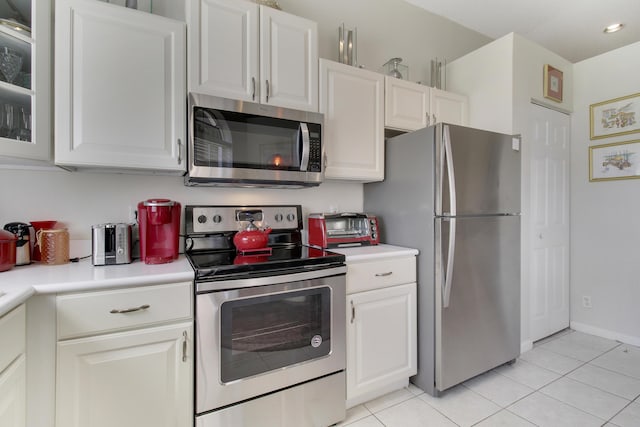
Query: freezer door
[485, 168]
[479, 328]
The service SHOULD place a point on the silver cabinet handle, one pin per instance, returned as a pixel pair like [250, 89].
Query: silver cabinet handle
[428, 119]
[268, 90]
[253, 88]
[353, 312]
[388, 273]
[435, 120]
[184, 346]
[130, 310]
[179, 151]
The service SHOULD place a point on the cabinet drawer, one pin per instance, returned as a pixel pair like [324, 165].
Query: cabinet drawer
[97, 312]
[380, 273]
[12, 336]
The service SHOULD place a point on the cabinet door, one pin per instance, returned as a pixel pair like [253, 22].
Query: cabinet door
[406, 104]
[448, 107]
[25, 104]
[13, 394]
[223, 48]
[120, 88]
[288, 60]
[352, 102]
[129, 379]
[381, 340]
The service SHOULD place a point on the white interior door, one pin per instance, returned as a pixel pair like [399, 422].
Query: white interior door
[549, 221]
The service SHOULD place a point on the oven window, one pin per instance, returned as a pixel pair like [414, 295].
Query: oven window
[270, 332]
[235, 140]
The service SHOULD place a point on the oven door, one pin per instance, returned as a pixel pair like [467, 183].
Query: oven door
[256, 340]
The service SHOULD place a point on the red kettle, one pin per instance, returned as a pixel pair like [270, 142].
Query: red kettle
[251, 238]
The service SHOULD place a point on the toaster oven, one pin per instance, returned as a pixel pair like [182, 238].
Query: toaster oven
[342, 230]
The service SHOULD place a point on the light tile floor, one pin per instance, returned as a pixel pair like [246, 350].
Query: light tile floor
[570, 379]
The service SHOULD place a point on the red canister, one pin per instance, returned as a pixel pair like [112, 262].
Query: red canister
[7, 250]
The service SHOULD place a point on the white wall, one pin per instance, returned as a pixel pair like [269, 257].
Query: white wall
[387, 29]
[605, 219]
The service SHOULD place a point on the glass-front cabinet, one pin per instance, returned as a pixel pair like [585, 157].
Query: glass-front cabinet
[25, 81]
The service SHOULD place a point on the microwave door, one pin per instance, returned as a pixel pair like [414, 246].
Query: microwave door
[304, 146]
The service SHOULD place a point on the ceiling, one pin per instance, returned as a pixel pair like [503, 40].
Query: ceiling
[571, 28]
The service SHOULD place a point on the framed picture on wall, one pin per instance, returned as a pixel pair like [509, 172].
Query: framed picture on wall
[620, 116]
[618, 160]
[552, 83]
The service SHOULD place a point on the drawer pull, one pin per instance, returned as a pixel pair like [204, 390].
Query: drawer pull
[388, 273]
[130, 310]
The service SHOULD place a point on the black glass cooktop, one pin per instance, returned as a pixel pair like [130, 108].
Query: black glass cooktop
[223, 264]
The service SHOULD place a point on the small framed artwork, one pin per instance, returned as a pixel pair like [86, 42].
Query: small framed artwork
[618, 116]
[618, 160]
[552, 83]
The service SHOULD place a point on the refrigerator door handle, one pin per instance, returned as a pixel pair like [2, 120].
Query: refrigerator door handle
[450, 171]
[448, 278]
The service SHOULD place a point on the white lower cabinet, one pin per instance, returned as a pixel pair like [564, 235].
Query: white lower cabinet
[139, 376]
[13, 369]
[381, 331]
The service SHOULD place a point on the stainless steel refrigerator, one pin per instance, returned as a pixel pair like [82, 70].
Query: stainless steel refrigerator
[454, 193]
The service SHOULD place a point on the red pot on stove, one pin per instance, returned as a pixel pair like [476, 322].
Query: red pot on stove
[251, 238]
[7, 250]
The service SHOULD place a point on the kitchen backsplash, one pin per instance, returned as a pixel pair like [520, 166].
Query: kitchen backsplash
[81, 199]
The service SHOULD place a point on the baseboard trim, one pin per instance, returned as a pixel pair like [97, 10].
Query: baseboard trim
[526, 346]
[605, 333]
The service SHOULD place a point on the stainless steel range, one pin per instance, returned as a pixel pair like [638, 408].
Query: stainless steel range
[270, 323]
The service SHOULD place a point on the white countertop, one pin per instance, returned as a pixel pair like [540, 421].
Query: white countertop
[367, 253]
[19, 283]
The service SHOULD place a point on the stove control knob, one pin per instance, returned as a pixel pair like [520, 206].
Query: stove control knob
[279, 217]
[291, 217]
[217, 219]
[202, 219]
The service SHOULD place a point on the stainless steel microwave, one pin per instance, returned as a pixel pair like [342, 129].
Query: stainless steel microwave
[237, 143]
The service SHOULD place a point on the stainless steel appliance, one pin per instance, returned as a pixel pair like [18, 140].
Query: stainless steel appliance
[23, 245]
[342, 230]
[270, 322]
[236, 143]
[111, 244]
[454, 193]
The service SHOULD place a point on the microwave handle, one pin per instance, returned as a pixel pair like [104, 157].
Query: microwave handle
[304, 136]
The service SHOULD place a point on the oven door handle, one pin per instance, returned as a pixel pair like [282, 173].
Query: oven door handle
[303, 137]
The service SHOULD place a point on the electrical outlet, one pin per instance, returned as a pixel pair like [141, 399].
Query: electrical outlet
[586, 301]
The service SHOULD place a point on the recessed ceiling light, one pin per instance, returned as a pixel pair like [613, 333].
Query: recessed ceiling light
[613, 28]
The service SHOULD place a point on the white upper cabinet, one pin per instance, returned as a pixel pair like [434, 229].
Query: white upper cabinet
[352, 101]
[120, 88]
[410, 106]
[240, 50]
[448, 107]
[25, 87]
[406, 104]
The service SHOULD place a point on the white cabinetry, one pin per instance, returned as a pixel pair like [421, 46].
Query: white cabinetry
[352, 100]
[120, 88]
[381, 327]
[25, 123]
[410, 106]
[128, 359]
[240, 50]
[13, 369]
